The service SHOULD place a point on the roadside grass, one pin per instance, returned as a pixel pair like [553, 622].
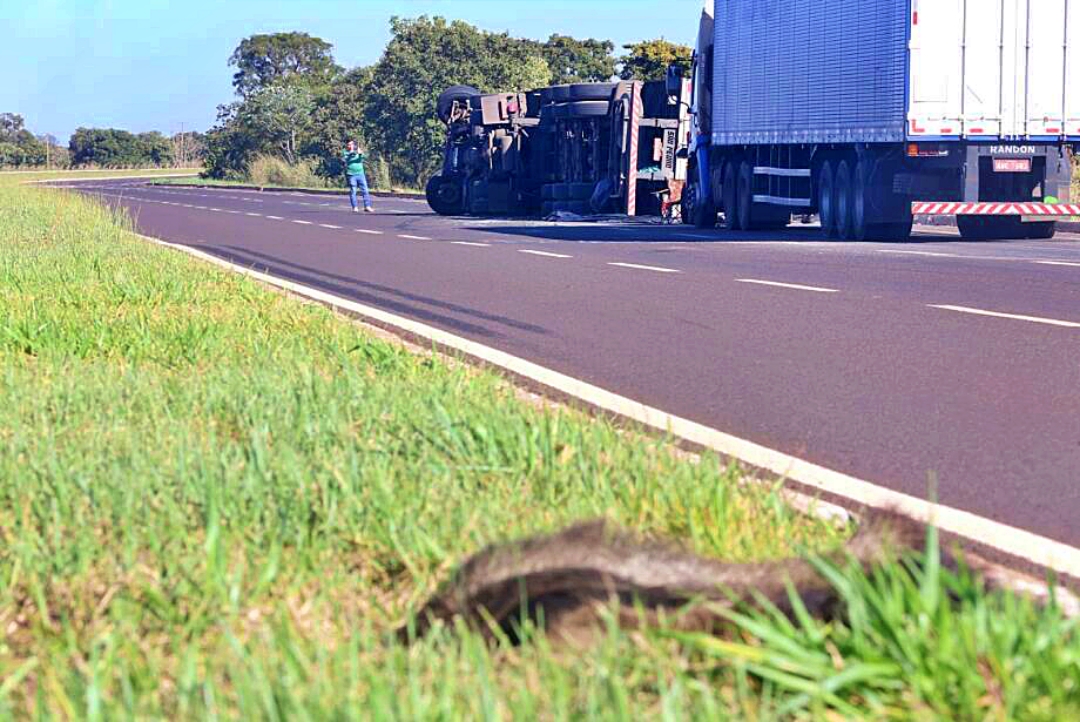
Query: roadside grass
[13, 177]
[216, 501]
[215, 183]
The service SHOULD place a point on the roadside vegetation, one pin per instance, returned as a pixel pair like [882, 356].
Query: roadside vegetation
[217, 501]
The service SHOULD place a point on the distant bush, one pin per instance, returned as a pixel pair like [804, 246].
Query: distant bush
[268, 170]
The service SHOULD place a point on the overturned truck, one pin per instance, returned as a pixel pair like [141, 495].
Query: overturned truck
[587, 148]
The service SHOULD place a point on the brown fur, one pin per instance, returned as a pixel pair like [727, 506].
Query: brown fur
[569, 578]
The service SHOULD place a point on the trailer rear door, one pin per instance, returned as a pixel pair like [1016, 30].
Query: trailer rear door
[994, 68]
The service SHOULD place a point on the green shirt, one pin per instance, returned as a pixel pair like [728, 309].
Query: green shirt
[354, 162]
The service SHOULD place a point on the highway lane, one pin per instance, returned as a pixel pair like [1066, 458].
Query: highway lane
[876, 360]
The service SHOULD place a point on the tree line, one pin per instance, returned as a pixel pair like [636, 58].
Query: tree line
[295, 103]
[96, 147]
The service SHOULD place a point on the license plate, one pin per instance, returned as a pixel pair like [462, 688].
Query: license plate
[1012, 165]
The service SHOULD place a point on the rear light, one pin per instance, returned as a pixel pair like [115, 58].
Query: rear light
[923, 150]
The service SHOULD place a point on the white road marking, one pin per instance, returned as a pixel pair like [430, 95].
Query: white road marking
[1058, 263]
[545, 254]
[793, 286]
[1015, 542]
[275, 218]
[699, 236]
[922, 253]
[369, 232]
[256, 215]
[466, 243]
[304, 223]
[214, 209]
[415, 238]
[639, 267]
[327, 225]
[1011, 316]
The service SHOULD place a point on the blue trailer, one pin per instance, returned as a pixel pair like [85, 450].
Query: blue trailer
[868, 112]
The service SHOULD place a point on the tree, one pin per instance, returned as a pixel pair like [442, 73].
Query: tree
[649, 60]
[11, 124]
[424, 57]
[112, 148]
[280, 117]
[263, 61]
[579, 61]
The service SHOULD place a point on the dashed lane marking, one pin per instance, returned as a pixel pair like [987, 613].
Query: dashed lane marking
[275, 218]
[1058, 263]
[640, 267]
[304, 223]
[369, 232]
[468, 243]
[545, 254]
[1010, 316]
[792, 286]
[415, 238]
[328, 225]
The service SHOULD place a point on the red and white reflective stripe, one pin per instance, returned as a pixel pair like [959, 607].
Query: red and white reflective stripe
[635, 131]
[996, 209]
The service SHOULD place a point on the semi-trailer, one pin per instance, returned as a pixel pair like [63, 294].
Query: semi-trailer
[870, 112]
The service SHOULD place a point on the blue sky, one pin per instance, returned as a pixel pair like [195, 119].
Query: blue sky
[152, 65]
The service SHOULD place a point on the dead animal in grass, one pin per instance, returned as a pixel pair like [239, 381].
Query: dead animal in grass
[569, 580]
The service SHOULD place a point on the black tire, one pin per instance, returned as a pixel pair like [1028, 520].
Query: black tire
[730, 197]
[583, 109]
[547, 208]
[560, 192]
[579, 207]
[860, 202]
[591, 91]
[1000, 228]
[452, 94]
[547, 192]
[1040, 231]
[696, 210]
[844, 190]
[560, 93]
[445, 196]
[745, 197]
[890, 232]
[581, 191]
[827, 199]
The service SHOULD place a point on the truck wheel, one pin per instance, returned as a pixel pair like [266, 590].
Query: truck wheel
[560, 191]
[890, 232]
[730, 197]
[844, 191]
[697, 210]
[1040, 231]
[444, 196]
[547, 192]
[581, 191]
[984, 228]
[591, 91]
[586, 109]
[860, 202]
[745, 197]
[827, 199]
[451, 95]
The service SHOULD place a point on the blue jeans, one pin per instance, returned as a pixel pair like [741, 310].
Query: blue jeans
[361, 182]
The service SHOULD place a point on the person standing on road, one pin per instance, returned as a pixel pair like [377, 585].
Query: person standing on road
[354, 171]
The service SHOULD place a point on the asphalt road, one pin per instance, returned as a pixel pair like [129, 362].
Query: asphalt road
[934, 359]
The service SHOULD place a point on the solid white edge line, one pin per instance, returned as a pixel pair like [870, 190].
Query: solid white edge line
[1010, 316]
[545, 254]
[794, 286]
[639, 267]
[921, 253]
[1010, 540]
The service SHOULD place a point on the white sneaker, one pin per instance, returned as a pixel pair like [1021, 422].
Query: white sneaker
[369, 209]
[355, 210]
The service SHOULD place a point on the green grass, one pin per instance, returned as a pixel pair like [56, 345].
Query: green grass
[216, 501]
[12, 177]
[214, 183]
